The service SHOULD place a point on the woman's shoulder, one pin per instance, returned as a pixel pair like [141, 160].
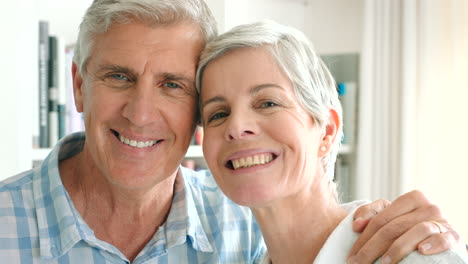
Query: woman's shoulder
[452, 256]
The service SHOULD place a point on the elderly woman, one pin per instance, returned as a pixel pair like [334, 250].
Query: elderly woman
[272, 124]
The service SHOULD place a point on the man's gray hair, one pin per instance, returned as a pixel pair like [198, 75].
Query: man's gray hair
[313, 84]
[103, 13]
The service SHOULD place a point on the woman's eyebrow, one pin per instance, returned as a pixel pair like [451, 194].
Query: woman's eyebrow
[253, 90]
[216, 99]
[258, 88]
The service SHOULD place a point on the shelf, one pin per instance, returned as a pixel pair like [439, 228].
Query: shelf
[194, 151]
[40, 154]
[345, 149]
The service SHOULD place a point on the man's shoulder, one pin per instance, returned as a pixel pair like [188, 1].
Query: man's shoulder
[203, 188]
[17, 202]
[16, 182]
[227, 225]
[200, 179]
[208, 196]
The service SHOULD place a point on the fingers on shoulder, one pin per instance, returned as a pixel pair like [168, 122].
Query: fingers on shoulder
[439, 242]
[415, 197]
[410, 241]
[370, 210]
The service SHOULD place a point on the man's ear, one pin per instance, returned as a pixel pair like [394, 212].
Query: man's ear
[77, 88]
[331, 130]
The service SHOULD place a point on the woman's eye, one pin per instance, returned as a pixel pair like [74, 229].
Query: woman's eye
[217, 116]
[268, 104]
[171, 85]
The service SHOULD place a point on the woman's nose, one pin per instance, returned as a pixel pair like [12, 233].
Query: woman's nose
[240, 126]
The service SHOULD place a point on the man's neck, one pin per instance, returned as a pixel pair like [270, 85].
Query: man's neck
[127, 219]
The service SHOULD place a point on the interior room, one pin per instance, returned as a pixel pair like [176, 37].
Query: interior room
[402, 63]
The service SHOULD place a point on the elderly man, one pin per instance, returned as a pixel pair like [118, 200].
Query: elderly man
[117, 193]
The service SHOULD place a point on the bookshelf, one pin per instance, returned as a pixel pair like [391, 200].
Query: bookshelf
[345, 69]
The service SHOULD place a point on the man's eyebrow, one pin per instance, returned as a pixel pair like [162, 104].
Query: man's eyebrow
[164, 75]
[176, 77]
[115, 68]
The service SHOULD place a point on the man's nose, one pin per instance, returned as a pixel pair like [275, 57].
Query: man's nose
[142, 106]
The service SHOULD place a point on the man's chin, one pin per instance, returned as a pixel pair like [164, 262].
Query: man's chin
[140, 176]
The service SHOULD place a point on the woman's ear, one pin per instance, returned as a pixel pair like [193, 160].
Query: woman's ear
[331, 130]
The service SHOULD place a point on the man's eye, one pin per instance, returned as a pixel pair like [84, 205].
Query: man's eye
[120, 77]
[171, 85]
[217, 116]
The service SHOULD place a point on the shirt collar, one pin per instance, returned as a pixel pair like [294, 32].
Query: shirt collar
[58, 231]
[183, 221]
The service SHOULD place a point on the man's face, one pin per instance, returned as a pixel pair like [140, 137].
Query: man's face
[139, 101]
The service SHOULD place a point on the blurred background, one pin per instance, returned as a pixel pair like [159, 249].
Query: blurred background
[401, 65]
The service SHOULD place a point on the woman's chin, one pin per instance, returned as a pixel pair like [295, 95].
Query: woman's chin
[251, 197]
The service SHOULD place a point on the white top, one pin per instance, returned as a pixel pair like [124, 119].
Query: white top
[341, 240]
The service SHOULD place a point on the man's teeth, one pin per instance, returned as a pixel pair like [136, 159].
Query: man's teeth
[137, 144]
[252, 161]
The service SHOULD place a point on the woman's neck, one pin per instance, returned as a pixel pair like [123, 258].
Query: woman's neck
[295, 228]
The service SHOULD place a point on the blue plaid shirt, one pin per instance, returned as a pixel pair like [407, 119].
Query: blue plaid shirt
[39, 223]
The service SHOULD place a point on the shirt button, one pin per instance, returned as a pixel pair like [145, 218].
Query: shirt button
[53, 250]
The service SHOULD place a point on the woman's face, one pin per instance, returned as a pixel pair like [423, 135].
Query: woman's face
[259, 143]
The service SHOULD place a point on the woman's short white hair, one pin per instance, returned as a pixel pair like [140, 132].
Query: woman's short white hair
[103, 13]
[313, 83]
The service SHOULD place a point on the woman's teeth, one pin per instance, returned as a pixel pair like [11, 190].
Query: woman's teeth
[252, 161]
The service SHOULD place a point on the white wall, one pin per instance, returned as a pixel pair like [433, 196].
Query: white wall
[18, 72]
[64, 16]
[218, 9]
[246, 11]
[442, 145]
[334, 26]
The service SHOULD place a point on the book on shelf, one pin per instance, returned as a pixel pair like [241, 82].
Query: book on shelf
[62, 88]
[57, 89]
[54, 114]
[43, 103]
[197, 138]
[199, 135]
[53, 90]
